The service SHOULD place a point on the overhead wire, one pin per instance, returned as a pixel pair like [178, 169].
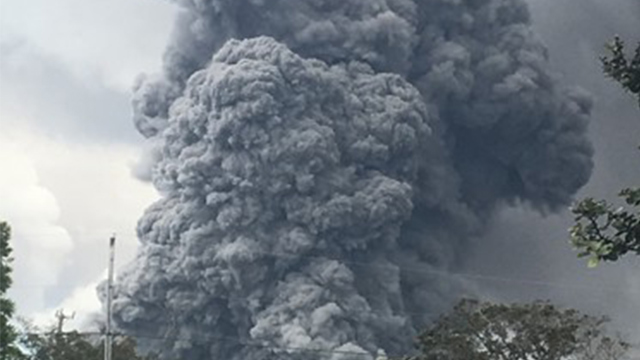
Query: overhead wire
[222, 339]
[425, 270]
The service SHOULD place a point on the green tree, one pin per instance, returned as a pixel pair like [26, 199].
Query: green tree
[535, 331]
[54, 345]
[625, 71]
[8, 336]
[602, 231]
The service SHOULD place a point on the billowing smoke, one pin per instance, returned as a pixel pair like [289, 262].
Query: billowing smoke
[322, 164]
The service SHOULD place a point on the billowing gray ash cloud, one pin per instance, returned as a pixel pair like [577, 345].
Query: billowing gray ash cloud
[322, 163]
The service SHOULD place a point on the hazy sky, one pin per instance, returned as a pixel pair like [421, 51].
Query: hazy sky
[526, 245]
[67, 142]
[575, 31]
[67, 146]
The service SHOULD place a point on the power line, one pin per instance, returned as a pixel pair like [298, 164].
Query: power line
[427, 270]
[424, 269]
[62, 317]
[245, 343]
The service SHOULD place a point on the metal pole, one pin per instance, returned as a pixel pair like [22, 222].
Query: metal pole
[108, 340]
[60, 315]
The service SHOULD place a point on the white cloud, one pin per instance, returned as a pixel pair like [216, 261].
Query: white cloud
[46, 91]
[66, 182]
[115, 39]
[82, 306]
[40, 243]
[63, 202]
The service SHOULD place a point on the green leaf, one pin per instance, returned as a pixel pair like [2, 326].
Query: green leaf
[593, 262]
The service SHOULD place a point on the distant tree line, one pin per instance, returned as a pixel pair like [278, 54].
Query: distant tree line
[476, 330]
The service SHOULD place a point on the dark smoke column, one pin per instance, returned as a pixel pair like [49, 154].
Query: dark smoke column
[316, 173]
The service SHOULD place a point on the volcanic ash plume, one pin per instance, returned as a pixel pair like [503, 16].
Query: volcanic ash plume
[322, 164]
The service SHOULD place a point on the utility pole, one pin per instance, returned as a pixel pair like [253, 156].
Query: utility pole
[108, 340]
[62, 317]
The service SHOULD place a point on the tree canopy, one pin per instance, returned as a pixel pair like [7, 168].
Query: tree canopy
[625, 71]
[8, 335]
[534, 331]
[606, 232]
